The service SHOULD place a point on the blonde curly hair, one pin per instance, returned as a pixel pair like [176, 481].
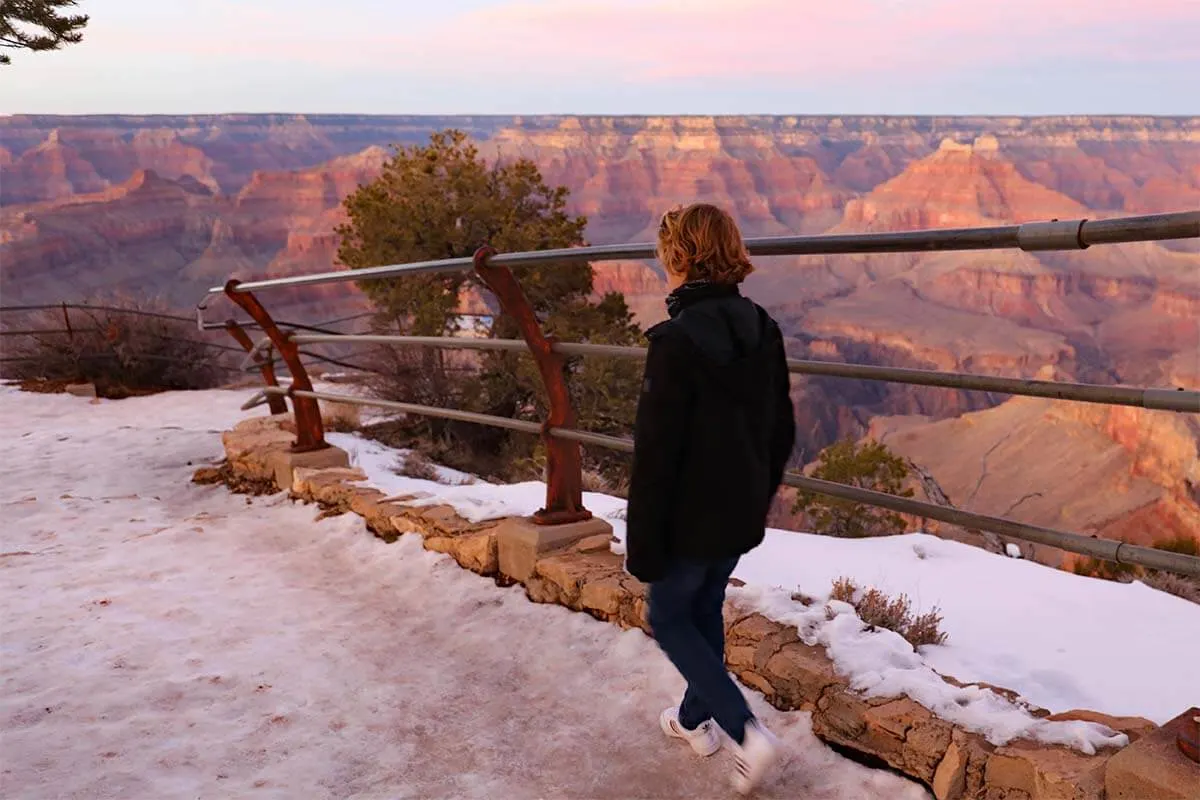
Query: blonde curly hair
[702, 242]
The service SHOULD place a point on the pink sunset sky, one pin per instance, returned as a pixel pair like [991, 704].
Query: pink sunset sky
[620, 56]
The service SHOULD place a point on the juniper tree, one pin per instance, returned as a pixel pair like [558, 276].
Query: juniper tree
[443, 200]
[869, 465]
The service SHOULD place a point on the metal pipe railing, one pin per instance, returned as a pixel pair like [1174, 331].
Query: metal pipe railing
[259, 398]
[1106, 549]
[563, 469]
[1152, 398]
[1030, 236]
[1159, 399]
[204, 326]
[254, 359]
[85, 307]
[115, 357]
[48, 331]
[520, 425]
[448, 342]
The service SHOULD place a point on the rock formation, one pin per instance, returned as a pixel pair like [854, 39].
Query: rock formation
[173, 205]
[1118, 472]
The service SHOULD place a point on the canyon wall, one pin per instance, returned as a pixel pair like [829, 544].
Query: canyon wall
[173, 205]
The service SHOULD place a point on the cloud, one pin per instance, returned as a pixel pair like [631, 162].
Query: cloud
[805, 43]
[655, 40]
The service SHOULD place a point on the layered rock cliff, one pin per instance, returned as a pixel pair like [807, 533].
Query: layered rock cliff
[276, 184]
[173, 205]
[54, 157]
[1105, 314]
[1118, 472]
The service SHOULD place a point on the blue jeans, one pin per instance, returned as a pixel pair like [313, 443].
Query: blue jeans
[686, 620]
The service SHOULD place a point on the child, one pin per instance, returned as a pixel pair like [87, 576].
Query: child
[713, 435]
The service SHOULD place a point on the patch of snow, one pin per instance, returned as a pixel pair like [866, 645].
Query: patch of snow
[163, 639]
[1061, 640]
[474, 499]
[881, 663]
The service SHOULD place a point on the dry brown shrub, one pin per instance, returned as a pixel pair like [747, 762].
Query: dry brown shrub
[844, 589]
[340, 417]
[595, 482]
[925, 629]
[416, 465]
[1178, 585]
[124, 346]
[877, 610]
[880, 611]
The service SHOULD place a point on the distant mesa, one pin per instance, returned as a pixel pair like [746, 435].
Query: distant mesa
[958, 185]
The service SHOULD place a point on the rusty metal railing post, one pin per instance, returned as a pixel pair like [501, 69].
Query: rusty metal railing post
[310, 434]
[274, 401]
[564, 464]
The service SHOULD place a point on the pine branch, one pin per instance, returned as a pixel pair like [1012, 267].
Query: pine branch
[51, 30]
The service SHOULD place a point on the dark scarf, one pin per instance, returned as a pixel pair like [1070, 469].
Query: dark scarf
[695, 291]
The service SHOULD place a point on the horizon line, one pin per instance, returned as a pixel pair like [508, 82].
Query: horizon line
[602, 115]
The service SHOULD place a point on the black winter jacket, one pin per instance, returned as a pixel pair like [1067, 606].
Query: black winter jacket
[714, 430]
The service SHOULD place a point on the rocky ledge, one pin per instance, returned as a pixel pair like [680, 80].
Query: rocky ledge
[584, 575]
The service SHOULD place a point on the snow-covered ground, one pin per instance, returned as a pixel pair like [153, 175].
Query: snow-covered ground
[166, 640]
[1063, 641]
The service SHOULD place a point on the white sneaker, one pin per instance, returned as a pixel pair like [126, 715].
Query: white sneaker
[704, 740]
[753, 757]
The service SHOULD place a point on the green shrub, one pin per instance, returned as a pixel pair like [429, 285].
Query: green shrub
[867, 465]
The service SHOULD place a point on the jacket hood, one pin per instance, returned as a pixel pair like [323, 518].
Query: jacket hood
[725, 329]
[734, 336]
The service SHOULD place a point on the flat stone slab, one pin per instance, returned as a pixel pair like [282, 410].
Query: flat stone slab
[520, 542]
[1154, 768]
[283, 463]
